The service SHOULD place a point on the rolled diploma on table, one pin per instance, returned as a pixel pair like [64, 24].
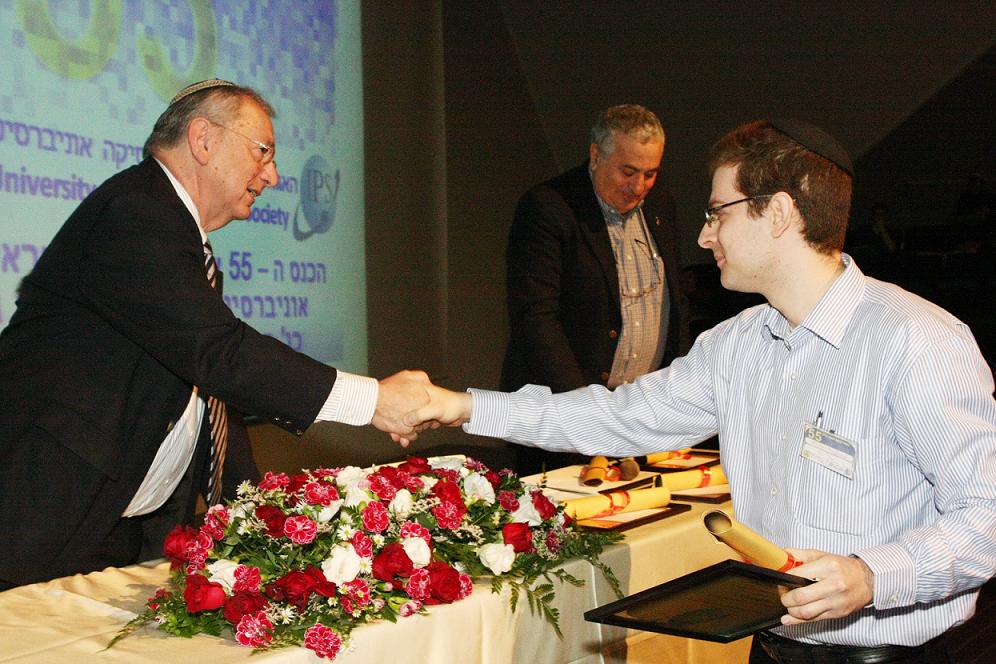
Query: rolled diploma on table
[754, 548]
[694, 478]
[616, 502]
[664, 456]
[595, 472]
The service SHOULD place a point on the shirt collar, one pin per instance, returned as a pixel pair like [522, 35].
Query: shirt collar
[612, 215]
[188, 202]
[832, 314]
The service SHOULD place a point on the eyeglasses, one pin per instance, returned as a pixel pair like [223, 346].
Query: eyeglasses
[710, 214]
[656, 278]
[266, 152]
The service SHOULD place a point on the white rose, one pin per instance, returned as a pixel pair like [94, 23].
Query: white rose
[453, 462]
[343, 565]
[477, 486]
[402, 504]
[223, 572]
[356, 496]
[527, 512]
[417, 550]
[326, 513]
[497, 557]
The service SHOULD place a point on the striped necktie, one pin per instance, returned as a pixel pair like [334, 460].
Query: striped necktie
[217, 416]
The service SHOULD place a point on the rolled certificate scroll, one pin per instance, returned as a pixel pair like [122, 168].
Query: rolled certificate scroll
[754, 548]
[657, 457]
[595, 472]
[616, 502]
[694, 478]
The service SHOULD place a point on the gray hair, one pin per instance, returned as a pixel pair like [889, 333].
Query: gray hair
[630, 119]
[218, 103]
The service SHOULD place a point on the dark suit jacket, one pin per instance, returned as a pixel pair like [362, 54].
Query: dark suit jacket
[563, 287]
[113, 327]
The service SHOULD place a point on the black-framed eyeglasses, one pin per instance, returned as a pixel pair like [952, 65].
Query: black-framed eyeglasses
[710, 214]
[266, 152]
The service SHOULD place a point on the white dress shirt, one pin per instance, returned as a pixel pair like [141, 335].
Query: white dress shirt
[899, 377]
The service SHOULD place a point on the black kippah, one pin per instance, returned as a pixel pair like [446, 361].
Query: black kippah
[815, 139]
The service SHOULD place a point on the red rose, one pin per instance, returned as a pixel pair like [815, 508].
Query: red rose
[543, 505]
[294, 587]
[416, 466]
[447, 492]
[493, 478]
[322, 586]
[519, 535]
[243, 603]
[444, 583]
[392, 562]
[273, 518]
[203, 595]
[295, 482]
[175, 546]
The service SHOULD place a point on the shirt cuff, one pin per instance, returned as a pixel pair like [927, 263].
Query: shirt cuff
[895, 575]
[489, 413]
[352, 400]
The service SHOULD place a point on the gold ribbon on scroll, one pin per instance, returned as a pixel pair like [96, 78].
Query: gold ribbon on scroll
[753, 547]
[616, 502]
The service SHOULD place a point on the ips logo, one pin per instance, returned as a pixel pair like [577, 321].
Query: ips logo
[319, 195]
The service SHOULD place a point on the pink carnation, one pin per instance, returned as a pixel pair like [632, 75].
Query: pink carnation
[449, 515]
[508, 501]
[413, 529]
[362, 545]
[358, 590]
[300, 529]
[273, 481]
[375, 517]
[254, 630]
[410, 608]
[323, 641]
[247, 578]
[319, 493]
[418, 585]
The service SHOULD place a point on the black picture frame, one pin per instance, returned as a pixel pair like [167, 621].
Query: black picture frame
[725, 602]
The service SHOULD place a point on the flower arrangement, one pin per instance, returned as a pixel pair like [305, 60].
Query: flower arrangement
[308, 557]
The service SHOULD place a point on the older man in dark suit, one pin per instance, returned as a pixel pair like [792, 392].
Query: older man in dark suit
[116, 366]
[593, 270]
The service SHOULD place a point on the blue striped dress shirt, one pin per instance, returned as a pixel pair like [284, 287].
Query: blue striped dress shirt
[900, 378]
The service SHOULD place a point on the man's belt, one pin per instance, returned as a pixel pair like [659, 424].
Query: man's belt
[789, 651]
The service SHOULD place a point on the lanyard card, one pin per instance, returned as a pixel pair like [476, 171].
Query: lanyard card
[828, 450]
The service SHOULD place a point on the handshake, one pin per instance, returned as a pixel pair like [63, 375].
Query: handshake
[408, 404]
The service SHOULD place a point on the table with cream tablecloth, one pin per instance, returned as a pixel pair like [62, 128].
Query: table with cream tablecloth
[72, 619]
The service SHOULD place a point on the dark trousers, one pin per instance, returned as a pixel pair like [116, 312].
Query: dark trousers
[785, 651]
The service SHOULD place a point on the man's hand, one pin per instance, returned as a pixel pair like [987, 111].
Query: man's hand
[397, 395]
[444, 407]
[843, 586]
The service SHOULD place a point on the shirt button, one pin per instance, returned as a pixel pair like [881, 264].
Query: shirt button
[794, 375]
[613, 334]
[637, 323]
[604, 375]
[774, 491]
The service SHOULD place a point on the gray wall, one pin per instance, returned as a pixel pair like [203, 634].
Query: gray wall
[468, 104]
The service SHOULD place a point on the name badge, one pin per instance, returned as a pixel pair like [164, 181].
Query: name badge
[829, 450]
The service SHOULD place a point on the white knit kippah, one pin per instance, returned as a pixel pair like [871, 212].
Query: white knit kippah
[197, 87]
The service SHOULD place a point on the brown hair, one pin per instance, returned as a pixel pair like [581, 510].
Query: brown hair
[769, 162]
